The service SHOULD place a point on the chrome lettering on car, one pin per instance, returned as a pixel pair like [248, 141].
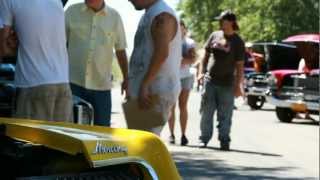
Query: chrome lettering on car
[102, 149]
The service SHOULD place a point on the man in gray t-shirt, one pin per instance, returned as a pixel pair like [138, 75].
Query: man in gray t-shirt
[222, 70]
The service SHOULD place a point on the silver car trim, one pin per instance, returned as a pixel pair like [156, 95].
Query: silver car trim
[287, 103]
[252, 91]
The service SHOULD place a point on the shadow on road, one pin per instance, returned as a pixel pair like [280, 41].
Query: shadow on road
[302, 122]
[240, 151]
[201, 169]
[254, 110]
[268, 110]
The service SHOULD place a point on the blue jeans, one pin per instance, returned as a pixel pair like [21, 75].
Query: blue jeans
[100, 101]
[220, 98]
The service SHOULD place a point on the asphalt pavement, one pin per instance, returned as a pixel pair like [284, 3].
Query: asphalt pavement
[261, 147]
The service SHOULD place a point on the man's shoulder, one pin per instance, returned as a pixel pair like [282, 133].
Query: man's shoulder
[75, 7]
[112, 11]
[239, 38]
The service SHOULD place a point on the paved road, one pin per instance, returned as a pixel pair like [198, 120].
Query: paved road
[262, 147]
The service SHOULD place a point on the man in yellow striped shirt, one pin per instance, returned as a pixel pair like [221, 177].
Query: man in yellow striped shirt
[94, 32]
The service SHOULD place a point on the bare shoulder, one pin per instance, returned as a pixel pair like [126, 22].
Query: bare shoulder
[166, 24]
[164, 18]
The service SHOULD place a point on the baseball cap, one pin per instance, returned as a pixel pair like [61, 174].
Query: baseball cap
[229, 16]
[226, 15]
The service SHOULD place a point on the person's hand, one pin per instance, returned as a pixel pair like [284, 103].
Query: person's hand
[200, 79]
[238, 92]
[144, 98]
[124, 87]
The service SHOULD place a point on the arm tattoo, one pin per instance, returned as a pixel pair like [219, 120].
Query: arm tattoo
[160, 21]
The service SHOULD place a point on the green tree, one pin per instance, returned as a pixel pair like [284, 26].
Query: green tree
[198, 16]
[259, 20]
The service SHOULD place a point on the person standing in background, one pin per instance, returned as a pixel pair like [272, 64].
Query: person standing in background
[94, 31]
[187, 79]
[223, 76]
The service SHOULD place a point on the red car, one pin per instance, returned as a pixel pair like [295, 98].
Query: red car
[268, 56]
[297, 91]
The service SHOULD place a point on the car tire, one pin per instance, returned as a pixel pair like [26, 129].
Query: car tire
[285, 114]
[256, 102]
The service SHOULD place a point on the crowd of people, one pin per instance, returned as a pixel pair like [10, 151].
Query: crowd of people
[60, 53]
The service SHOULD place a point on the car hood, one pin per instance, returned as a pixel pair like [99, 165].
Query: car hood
[100, 145]
[303, 38]
[278, 55]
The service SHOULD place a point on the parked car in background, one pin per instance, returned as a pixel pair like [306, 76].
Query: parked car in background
[297, 91]
[267, 56]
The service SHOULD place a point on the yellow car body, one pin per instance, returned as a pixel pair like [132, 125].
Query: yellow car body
[100, 146]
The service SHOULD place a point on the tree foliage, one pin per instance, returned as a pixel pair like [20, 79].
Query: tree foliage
[259, 20]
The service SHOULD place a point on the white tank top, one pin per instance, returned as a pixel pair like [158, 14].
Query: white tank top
[167, 81]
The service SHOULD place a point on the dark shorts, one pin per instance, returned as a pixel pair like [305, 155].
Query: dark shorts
[100, 101]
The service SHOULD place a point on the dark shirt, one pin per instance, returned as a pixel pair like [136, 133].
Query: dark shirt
[224, 51]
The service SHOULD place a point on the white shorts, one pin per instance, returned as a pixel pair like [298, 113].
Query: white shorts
[187, 83]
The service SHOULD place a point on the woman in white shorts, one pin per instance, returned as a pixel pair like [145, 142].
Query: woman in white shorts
[187, 79]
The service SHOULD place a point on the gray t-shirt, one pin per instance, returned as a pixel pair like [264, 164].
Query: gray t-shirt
[226, 51]
[42, 52]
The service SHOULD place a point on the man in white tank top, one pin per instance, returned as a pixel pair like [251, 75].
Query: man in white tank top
[155, 62]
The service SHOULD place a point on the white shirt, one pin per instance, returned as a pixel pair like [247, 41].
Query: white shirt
[167, 82]
[42, 53]
[188, 44]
